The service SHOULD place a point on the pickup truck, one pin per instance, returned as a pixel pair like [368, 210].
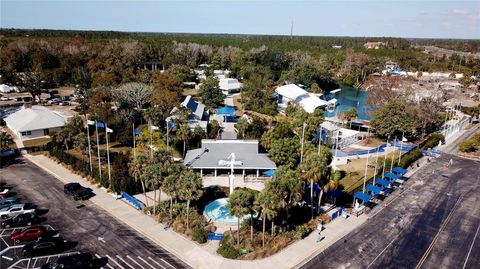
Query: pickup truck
[8, 202]
[15, 210]
[77, 191]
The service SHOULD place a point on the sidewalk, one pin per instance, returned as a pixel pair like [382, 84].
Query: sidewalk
[202, 256]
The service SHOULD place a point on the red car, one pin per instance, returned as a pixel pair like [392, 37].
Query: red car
[28, 234]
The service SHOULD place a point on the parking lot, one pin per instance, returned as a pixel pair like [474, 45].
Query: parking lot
[89, 228]
[433, 223]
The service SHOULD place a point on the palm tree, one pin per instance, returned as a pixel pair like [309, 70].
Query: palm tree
[152, 178]
[183, 133]
[237, 206]
[190, 189]
[170, 188]
[313, 169]
[5, 140]
[137, 171]
[267, 203]
[163, 159]
[286, 187]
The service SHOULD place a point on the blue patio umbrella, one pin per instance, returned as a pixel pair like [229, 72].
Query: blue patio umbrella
[269, 173]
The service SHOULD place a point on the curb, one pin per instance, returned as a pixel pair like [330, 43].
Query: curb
[161, 244]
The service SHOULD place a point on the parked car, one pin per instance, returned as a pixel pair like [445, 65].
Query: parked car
[8, 202]
[4, 98]
[3, 196]
[44, 246]
[4, 191]
[28, 234]
[76, 261]
[26, 219]
[15, 210]
[64, 103]
[77, 191]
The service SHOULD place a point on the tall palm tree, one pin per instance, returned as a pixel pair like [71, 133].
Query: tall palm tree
[163, 159]
[152, 178]
[190, 189]
[183, 133]
[267, 203]
[136, 168]
[170, 188]
[237, 206]
[312, 170]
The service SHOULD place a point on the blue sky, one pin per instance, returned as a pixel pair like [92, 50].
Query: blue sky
[407, 18]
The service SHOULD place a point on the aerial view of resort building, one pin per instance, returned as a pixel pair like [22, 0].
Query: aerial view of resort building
[155, 134]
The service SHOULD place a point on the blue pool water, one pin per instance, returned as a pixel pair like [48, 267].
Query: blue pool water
[347, 98]
[217, 211]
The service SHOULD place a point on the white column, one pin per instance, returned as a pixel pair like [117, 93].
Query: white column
[258, 173]
[215, 172]
[201, 172]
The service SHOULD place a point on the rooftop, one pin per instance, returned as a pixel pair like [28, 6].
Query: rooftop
[34, 118]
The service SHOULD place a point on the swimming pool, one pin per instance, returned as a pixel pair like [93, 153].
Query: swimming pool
[217, 211]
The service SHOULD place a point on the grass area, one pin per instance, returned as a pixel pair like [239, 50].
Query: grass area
[36, 142]
[191, 92]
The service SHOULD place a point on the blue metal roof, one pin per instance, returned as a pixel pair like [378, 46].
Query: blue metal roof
[392, 176]
[362, 196]
[374, 189]
[226, 111]
[399, 170]
[382, 182]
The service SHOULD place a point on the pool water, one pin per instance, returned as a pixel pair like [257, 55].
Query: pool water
[347, 98]
[217, 211]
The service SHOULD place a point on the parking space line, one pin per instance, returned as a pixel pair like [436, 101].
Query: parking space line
[34, 262]
[156, 262]
[135, 262]
[125, 262]
[167, 263]
[99, 257]
[140, 258]
[471, 247]
[110, 259]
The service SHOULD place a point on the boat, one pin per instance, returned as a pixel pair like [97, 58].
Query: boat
[331, 104]
[335, 91]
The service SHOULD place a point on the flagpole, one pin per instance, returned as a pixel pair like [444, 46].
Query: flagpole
[336, 148]
[366, 170]
[134, 151]
[401, 146]
[98, 151]
[168, 142]
[320, 140]
[89, 149]
[393, 157]
[108, 157]
[376, 163]
[151, 149]
[385, 159]
[303, 139]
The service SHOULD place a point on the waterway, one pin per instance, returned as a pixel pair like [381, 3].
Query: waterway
[347, 98]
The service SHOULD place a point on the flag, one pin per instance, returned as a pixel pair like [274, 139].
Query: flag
[109, 130]
[404, 139]
[153, 127]
[170, 124]
[90, 122]
[138, 132]
[100, 124]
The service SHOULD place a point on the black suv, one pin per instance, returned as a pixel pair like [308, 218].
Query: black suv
[26, 219]
[44, 246]
[77, 191]
[76, 261]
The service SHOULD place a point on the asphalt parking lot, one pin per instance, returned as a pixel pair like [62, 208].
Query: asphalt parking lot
[92, 229]
[434, 223]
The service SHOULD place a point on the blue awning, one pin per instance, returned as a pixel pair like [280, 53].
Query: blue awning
[399, 171]
[362, 196]
[392, 176]
[226, 111]
[374, 189]
[269, 173]
[382, 182]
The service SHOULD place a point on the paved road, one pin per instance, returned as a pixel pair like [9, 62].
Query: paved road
[83, 222]
[452, 146]
[434, 223]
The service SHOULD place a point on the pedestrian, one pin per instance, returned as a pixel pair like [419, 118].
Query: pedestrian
[450, 162]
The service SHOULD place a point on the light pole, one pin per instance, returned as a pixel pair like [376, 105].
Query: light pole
[303, 140]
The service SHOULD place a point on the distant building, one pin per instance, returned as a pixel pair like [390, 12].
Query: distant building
[212, 157]
[336, 46]
[330, 132]
[198, 115]
[373, 45]
[229, 85]
[292, 93]
[32, 122]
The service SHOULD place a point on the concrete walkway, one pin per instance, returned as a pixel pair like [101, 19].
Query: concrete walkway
[201, 256]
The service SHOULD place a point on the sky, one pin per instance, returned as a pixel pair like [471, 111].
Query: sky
[393, 18]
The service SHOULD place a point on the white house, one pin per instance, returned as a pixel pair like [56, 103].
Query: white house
[198, 115]
[229, 85]
[32, 122]
[293, 93]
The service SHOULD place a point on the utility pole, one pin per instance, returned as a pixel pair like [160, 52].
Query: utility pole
[98, 151]
[291, 30]
[303, 140]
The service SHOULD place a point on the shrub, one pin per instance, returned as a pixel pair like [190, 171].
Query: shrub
[226, 249]
[433, 141]
[410, 157]
[200, 235]
[468, 146]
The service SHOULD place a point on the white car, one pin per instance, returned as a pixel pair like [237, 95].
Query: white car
[4, 191]
[15, 210]
[4, 98]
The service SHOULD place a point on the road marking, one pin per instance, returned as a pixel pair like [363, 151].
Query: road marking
[135, 262]
[110, 259]
[99, 257]
[156, 262]
[442, 227]
[125, 262]
[167, 263]
[140, 258]
[384, 249]
[7, 258]
[471, 247]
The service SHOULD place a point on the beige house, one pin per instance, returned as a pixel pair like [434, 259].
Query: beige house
[32, 122]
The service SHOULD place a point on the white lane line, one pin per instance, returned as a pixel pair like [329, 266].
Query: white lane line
[34, 262]
[110, 259]
[99, 257]
[381, 253]
[134, 261]
[471, 247]
[7, 258]
[156, 262]
[167, 263]
[140, 258]
[125, 262]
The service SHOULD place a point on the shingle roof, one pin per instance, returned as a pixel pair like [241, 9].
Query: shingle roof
[35, 118]
[197, 108]
[212, 151]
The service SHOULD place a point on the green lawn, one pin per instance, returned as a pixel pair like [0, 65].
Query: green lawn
[36, 142]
